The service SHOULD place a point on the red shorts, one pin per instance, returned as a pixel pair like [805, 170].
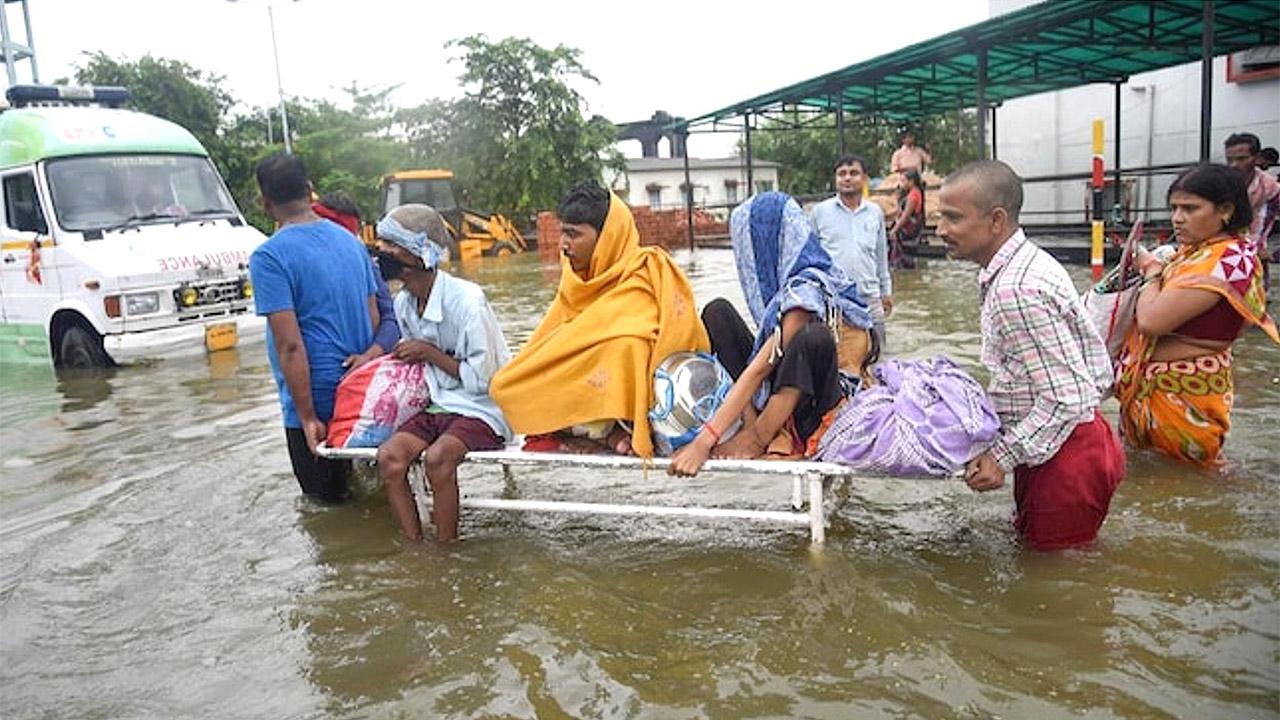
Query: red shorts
[474, 433]
[1062, 503]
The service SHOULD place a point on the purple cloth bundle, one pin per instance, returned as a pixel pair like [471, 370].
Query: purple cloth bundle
[923, 417]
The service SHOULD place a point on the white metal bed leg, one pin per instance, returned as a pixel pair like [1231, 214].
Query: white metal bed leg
[418, 486]
[509, 489]
[817, 514]
[797, 493]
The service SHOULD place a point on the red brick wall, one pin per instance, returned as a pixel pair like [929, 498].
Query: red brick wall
[548, 233]
[665, 228]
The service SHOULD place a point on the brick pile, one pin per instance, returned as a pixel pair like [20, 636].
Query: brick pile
[886, 196]
[664, 228]
[548, 233]
[669, 228]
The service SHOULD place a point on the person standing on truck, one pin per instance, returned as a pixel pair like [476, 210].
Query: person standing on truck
[341, 208]
[909, 156]
[315, 285]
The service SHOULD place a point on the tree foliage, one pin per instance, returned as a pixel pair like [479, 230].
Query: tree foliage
[808, 154]
[516, 139]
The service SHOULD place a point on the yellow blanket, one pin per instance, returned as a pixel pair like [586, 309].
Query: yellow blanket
[593, 356]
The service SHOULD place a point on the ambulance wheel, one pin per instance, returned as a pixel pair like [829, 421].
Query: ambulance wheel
[81, 348]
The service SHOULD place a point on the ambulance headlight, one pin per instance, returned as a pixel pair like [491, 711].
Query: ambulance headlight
[186, 296]
[142, 303]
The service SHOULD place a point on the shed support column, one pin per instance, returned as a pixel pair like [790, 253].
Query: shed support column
[688, 186]
[982, 104]
[995, 146]
[751, 186]
[1206, 80]
[840, 123]
[1115, 160]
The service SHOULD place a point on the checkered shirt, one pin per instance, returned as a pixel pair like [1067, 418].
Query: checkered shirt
[1049, 367]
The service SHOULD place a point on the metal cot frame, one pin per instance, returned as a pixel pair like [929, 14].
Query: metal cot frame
[815, 477]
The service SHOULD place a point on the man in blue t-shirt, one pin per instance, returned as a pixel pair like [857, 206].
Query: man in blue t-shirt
[313, 282]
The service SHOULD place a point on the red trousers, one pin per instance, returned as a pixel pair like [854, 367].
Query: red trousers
[1062, 503]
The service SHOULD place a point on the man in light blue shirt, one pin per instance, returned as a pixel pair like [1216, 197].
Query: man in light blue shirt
[446, 323]
[852, 230]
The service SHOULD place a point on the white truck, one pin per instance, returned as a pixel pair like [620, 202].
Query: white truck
[119, 241]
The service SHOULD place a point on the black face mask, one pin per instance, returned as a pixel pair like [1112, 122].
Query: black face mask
[391, 268]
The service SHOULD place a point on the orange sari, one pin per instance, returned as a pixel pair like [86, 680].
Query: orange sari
[1183, 407]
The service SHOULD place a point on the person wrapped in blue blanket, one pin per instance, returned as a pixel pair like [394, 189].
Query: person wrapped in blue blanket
[787, 374]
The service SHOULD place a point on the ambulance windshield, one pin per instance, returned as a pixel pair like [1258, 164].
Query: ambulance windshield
[117, 191]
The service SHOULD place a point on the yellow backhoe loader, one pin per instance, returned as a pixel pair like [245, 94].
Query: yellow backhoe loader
[474, 234]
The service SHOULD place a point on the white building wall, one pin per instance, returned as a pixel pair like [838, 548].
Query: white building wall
[708, 185]
[1050, 133]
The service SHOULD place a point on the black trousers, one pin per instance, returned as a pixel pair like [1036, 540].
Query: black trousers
[808, 363]
[321, 478]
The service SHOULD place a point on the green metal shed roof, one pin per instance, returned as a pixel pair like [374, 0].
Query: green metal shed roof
[1049, 46]
[31, 134]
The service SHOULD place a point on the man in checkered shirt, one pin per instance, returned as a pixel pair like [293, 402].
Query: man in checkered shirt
[1049, 367]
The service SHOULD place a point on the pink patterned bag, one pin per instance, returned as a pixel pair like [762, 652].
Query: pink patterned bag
[376, 399]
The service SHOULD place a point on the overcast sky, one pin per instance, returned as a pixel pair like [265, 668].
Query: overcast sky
[687, 58]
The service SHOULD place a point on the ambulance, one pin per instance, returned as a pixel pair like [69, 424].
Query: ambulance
[119, 241]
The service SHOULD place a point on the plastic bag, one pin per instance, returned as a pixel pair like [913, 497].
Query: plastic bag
[374, 400]
[1112, 303]
[1112, 309]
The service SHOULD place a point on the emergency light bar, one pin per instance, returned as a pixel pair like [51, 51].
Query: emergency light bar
[33, 95]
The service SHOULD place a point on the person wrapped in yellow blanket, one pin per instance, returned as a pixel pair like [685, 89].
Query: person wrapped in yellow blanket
[584, 380]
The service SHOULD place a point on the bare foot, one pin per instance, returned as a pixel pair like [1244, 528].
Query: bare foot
[742, 446]
[581, 445]
[619, 441]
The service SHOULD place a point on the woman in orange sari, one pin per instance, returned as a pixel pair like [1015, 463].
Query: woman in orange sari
[1175, 385]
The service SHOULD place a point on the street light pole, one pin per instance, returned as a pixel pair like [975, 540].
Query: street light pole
[275, 55]
[284, 114]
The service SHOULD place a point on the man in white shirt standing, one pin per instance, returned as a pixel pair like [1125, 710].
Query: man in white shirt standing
[852, 231]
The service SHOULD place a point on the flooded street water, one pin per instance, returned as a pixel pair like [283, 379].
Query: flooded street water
[156, 560]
